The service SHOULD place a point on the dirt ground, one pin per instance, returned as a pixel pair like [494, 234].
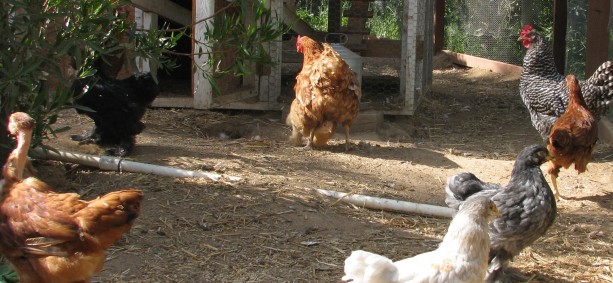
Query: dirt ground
[272, 227]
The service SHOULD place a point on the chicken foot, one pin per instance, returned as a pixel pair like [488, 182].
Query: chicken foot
[554, 185]
[309, 144]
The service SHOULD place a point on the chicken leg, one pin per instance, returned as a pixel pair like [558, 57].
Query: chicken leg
[346, 128]
[554, 185]
[554, 170]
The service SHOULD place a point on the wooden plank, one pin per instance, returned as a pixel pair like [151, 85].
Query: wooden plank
[202, 89]
[385, 48]
[298, 25]
[439, 25]
[559, 34]
[334, 20]
[482, 63]
[173, 102]
[166, 9]
[261, 105]
[407, 54]
[366, 121]
[597, 46]
[145, 21]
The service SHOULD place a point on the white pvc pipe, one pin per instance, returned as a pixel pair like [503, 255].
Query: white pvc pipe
[110, 163]
[390, 204]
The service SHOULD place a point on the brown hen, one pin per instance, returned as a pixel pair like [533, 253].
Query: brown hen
[52, 237]
[573, 136]
[326, 90]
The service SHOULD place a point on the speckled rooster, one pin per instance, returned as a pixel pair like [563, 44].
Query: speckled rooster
[544, 90]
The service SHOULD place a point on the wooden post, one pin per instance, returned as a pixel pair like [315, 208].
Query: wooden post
[439, 25]
[145, 21]
[559, 34]
[334, 19]
[597, 47]
[201, 88]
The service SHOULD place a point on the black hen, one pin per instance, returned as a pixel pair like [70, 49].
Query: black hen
[526, 204]
[118, 108]
[544, 90]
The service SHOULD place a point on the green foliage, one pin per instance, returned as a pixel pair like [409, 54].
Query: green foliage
[7, 274]
[316, 21]
[315, 13]
[385, 23]
[456, 12]
[387, 19]
[234, 35]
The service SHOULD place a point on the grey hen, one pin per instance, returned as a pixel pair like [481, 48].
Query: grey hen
[544, 90]
[526, 204]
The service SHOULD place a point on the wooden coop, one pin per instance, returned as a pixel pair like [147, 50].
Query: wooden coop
[396, 91]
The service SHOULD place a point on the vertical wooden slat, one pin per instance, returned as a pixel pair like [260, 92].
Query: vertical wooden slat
[202, 90]
[407, 57]
[597, 47]
[559, 34]
[439, 25]
[334, 19]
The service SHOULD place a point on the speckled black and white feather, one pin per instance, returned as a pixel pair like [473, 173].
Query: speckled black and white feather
[526, 205]
[545, 93]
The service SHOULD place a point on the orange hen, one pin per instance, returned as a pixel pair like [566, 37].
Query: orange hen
[573, 136]
[326, 90]
[52, 237]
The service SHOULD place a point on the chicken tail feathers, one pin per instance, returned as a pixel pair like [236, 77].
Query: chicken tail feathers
[461, 186]
[601, 82]
[366, 267]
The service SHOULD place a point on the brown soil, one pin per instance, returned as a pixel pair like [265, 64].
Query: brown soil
[271, 227]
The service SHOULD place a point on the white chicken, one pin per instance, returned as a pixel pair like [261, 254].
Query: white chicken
[461, 257]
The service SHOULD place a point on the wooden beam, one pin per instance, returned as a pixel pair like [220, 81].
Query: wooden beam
[597, 47]
[559, 34]
[298, 25]
[166, 9]
[439, 25]
[482, 63]
[334, 19]
[201, 88]
[173, 102]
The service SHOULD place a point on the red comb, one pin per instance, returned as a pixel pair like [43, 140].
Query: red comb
[298, 45]
[527, 29]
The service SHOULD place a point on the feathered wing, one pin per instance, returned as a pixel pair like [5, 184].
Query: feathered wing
[35, 216]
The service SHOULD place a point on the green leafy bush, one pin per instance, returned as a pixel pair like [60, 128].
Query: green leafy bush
[387, 19]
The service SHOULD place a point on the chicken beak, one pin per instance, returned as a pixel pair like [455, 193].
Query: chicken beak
[549, 157]
[496, 211]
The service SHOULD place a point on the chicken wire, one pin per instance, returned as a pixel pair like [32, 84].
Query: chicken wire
[492, 29]
[489, 29]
